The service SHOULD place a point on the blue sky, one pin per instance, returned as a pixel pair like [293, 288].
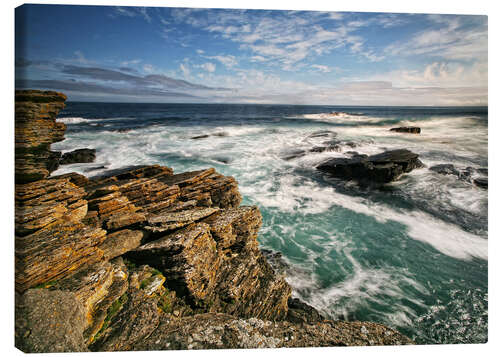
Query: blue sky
[159, 54]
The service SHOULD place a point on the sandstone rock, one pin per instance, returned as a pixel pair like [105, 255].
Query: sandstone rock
[381, 168]
[169, 221]
[78, 156]
[49, 321]
[188, 257]
[120, 242]
[207, 187]
[43, 202]
[55, 252]
[35, 129]
[73, 177]
[407, 129]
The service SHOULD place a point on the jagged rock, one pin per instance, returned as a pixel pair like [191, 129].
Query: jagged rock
[49, 321]
[381, 168]
[217, 265]
[300, 312]
[235, 226]
[136, 313]
[188, 257]
[222, 331]
[207, 187]
[78, 156]
[275, 260]
[54, 252]
[35, 129]
[407, 129]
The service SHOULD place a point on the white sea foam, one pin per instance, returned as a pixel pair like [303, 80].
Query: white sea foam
[73, 120]
[447, 238]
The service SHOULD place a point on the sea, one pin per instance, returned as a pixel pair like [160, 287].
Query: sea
[412, 254]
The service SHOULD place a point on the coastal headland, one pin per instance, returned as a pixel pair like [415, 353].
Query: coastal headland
[143, 258]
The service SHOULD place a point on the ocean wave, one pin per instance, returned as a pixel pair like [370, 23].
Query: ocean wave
[73, 120]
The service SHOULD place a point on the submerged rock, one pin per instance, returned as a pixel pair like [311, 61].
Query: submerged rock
[469, 174]
[407, 129]
[445, 169]
[381, 168]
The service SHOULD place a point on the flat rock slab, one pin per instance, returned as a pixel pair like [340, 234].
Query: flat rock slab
[171, 220]
[381, 168]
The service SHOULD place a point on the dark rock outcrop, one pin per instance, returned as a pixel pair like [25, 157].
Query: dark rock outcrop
[407, 129]
[481, 182]
[381, 168]
[78, 156]
[141, 258]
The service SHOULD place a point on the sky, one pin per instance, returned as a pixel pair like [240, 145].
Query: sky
[161, 54]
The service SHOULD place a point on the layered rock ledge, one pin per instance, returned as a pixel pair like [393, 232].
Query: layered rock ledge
[145, 259]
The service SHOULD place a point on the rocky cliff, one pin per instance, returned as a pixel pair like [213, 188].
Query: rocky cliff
[145, 259]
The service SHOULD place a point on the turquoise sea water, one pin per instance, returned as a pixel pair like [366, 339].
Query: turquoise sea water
[412, 254]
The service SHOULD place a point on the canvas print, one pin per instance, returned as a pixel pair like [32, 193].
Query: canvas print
[201, 178]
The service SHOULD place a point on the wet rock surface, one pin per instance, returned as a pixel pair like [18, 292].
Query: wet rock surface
[78, 156]
[407, 129]
[141, 258]
[476, 176]
[381, 168]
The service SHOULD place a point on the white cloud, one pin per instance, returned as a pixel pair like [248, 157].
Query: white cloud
[325, 69]
[130, 62]
[453, 39]
[80, 58]
[209, 67]
[227, 60]
[184, 67]
[148, 68]
[145, 14]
